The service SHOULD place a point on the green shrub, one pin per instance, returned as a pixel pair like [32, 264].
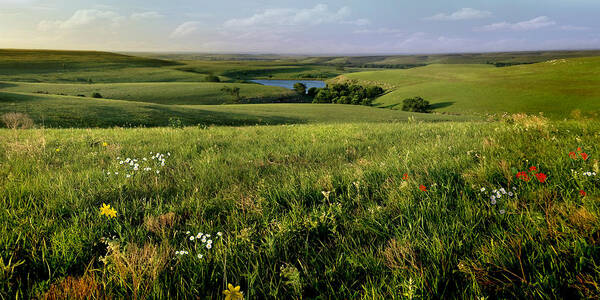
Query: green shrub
[416, 104]
[96, 95]
[175, 122]
[300, 88]
[212, 78]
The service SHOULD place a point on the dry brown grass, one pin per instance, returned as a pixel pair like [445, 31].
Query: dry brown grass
[583, 220]
[528, 122]
[85, 287]
[137, 268]
[25, 146]
[401, 255]
[162, 224]
[17, 121]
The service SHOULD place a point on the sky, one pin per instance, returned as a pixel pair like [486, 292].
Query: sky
[301, 27]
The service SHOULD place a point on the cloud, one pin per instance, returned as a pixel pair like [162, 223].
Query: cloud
[185, 29]
[535, 23]
[574, 28]
[148, 15]
[320, 14]
[358, 22]
[461, 14]
[382, 30]
[83, 18]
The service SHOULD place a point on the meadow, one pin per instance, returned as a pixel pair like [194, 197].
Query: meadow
[356, 210]
[164, 189]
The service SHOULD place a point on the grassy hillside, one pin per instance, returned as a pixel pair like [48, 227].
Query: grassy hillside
[82, 66]
[557, 87]
[384, 60]
[66, 111]
[105, 67]
[157, 92]
[304, 211]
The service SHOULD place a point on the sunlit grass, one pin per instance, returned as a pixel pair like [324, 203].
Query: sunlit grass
[340, 210]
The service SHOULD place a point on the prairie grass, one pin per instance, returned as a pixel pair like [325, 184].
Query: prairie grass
[305, 211]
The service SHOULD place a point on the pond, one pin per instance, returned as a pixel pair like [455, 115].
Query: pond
[289, 84]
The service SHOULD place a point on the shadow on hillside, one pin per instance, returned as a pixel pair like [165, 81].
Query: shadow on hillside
[391, 106]
[71, 112]
[4, 85]
[440, 105]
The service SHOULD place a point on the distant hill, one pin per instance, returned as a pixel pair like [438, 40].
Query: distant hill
[558, 87]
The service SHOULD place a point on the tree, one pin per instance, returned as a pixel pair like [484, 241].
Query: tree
[233, 91]
[212, 78]
[300, 88]
[312, 92]
[323, 96]
[416, 104]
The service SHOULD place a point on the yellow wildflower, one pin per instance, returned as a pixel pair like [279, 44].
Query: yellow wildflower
[106, 210]
[233, 293]
[57, 149]
[104, 144]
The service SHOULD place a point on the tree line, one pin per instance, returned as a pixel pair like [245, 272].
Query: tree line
[341, 93]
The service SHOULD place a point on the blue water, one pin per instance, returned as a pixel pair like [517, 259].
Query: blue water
[289, 84]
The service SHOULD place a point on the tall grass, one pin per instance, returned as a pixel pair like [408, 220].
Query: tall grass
[306, 211]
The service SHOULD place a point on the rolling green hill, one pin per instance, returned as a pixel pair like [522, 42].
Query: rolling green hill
[67, 111]
[157, 92]
[557, 88]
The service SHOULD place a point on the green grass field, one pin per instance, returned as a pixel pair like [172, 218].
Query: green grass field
[305, 211]
[556, 88]
[157, 92]
[68, 111]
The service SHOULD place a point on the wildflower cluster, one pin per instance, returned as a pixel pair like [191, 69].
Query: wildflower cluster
[576, 155]
[496, 195]
[106, 210]
[233, 293]
[131, 166]
[201, 241]
[533, 172]
[583, 177]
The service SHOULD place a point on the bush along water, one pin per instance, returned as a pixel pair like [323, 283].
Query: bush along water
[345, 93]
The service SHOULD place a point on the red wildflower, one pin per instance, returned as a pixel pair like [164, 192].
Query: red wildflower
[405, 176]
[578, 149]
[582, 193]
[584, 155]
[423, 188]
[532, 169]
[523, 176]
[573, 155]
[541, 177]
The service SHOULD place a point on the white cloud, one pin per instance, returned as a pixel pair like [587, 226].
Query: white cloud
[574, 28]
[84, 18]
[358, 22]
[320, 14]
[185, 29]
[382, 30]
[535, 23]
[461, 14]
[148, 15]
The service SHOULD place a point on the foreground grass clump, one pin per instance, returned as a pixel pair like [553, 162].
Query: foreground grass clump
[342, 211]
